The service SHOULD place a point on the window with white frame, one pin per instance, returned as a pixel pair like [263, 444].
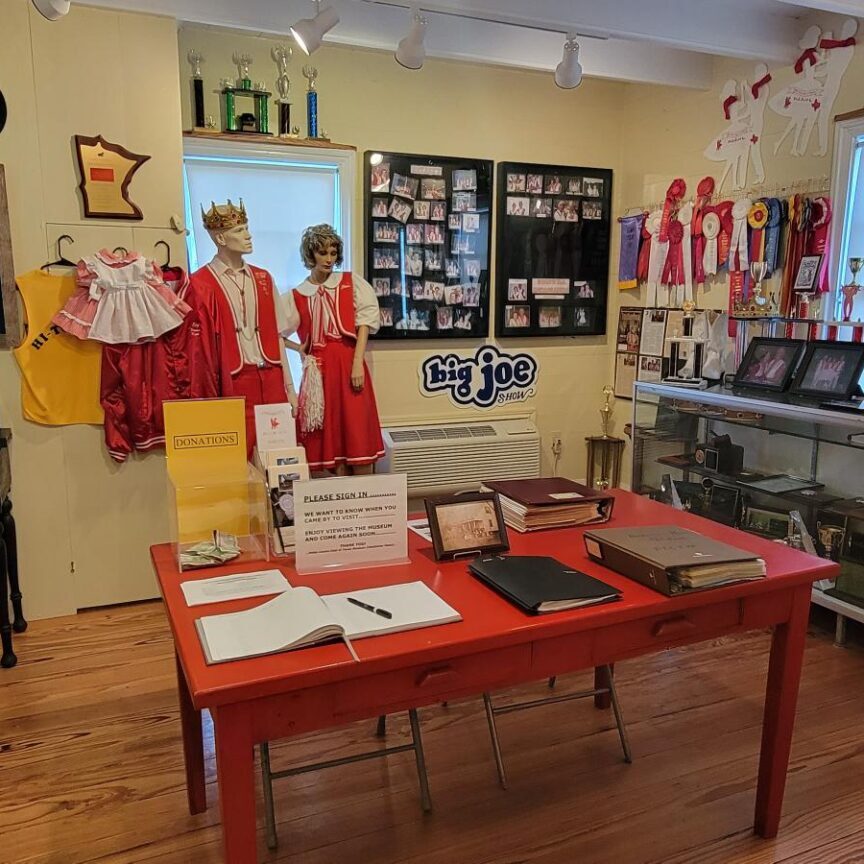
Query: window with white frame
[848, 195]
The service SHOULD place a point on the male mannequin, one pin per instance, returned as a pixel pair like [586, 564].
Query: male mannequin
[247, 315]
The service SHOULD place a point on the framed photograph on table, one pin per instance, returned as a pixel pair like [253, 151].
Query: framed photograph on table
[553, 236]
[431, 234]
[466, 525]
[769, 364]
[830, 370]
[808, 273]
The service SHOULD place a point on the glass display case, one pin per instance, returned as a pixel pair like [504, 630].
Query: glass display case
[752, 461]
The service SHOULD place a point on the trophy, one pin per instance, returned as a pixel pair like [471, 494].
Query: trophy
[758, 301]
[281, 54]
[604, 451]
[831, 537]
[195, 59]
[850, 290]
[243, 62]
[310, 73]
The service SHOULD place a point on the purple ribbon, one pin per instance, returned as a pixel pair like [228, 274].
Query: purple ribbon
[628, 261]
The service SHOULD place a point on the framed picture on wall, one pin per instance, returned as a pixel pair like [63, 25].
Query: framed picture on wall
[553, 239]
[10, 334]
[427, 244]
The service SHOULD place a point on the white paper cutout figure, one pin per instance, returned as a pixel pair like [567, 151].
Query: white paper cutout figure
[809, 100]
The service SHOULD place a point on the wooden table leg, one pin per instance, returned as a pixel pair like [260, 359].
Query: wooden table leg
[193, 746]
[235, 768]
[781, 699]
[602, 700]
[8, 658]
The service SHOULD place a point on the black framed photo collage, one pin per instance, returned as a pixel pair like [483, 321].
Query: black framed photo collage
[428, 240]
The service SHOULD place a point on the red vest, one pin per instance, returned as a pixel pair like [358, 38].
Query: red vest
[225, 325]
[344, 312]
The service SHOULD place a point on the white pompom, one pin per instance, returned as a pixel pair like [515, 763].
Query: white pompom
[311, 398]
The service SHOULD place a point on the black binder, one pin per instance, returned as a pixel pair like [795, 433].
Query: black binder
[537, 584]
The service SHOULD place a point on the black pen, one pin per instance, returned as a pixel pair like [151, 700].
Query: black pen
[382, 612]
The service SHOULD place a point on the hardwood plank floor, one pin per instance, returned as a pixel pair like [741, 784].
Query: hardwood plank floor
[91, 765]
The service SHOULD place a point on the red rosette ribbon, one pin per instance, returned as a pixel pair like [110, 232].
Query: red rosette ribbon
[673, 268]
[676, 191]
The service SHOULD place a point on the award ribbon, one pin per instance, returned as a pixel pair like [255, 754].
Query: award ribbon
[628, 258]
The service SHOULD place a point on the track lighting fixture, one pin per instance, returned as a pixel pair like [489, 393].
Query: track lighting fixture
[309, 32]
[568, 73]
[411, 52]
[52, 9]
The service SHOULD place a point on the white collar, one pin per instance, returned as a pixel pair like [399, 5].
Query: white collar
[308, 288]
[220, 268]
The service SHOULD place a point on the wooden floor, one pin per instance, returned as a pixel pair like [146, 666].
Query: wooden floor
[91, 765]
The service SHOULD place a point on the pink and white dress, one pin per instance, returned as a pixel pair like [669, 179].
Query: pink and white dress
[120, 301]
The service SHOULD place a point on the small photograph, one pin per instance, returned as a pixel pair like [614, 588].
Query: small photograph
[629, 330]
[379, 177]
[472, 268]
[553, 185]
[405, 187]
[413, 261]
[285, 479]
[434, 233]
[396, 286]
[515, 182]
[592, 210]
[534, 184]
[385, 232]
[462, 244]
[385, 259]
[451, 268]
[566, 210]
[463, 319]
[385, 313]
[473, 524]
[464, 202]
[381, 286]
[518, 206]
[550, 316]
[433, 259]
[444, 318]
[808, 272]
[453, 295]
[650, 368]
[574, 185]
[541, 207]
[464, 180]
[417, 289]
[470, 222]
[421, 210]
[400, 210]
[454, 221]
[438, 211]
[379, 208]
[592, 187]
[471, 295]
[583, 290]
[418, 319]
[435, 291]
[517, 289]
[583, 319]
[433, 189]
[413, 234]
[517, 316]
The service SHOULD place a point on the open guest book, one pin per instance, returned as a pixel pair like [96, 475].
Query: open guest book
[301, 617]
[549, 502]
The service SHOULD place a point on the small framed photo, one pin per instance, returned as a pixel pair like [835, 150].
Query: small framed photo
[463, 319]
[466, 525]
[518, 206]
[416, 319]
[444, 318]
[433, 234]
[421, 210]
[541, 208]
[583, 290]
[379, 177]
[381, 286]
[566, 210]
[517, 289]
[287, 456]
[433, 189]
[451, 268]
[400, 210]
[808, 273]
[550, 316]
[464, 202]
[472, 268]
[517, 316]
[465, 180]
[385, 232]
[414, 234]
[471, 295]
[453, 295]
[553, 186]
[433, 259]
[830, 370]
[385, 259]
[574, 185]
[385, 315]
[515, 182]
[418, 289]
[470, 222]
[583, 319]
[592, 187]
[379, 208]
[405, 187]
[766, 522]
[534, 184]
[434, 290]
[454, 221]
[438, 211]
[769, 364]
[413, 261]
[592, 210]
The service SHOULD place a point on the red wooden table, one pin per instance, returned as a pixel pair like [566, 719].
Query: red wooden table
[494, 646]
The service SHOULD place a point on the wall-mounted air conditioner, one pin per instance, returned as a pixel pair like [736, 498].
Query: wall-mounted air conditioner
[450, 456]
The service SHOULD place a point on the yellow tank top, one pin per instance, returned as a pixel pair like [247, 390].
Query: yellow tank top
[59, 373]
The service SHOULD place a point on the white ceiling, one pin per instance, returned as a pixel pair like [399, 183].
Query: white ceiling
[655, 41]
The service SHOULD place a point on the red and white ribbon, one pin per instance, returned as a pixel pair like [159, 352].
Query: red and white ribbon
[656, 259]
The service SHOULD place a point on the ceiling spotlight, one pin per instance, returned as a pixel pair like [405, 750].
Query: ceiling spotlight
[52, 9]
[309, 32]
[568, 73]
[411, 52]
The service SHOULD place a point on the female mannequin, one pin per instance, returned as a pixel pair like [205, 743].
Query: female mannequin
[337, 312]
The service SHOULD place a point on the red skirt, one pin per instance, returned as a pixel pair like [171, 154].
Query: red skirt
[352, 432]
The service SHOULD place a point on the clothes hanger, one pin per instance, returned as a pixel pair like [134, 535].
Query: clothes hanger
[164, 243]
[62, 260]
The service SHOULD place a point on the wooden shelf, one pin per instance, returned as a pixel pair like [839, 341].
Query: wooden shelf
[256, 138]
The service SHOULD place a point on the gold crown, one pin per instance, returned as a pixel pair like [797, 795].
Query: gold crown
[221, 217]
